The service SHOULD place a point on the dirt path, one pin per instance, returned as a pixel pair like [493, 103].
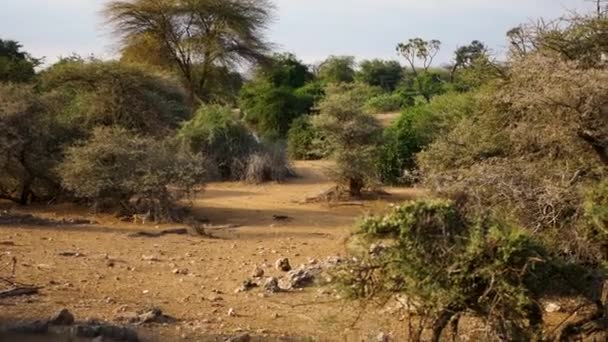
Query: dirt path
[113, 273]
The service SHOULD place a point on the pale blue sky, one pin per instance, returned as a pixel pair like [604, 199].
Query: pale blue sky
[313, 29]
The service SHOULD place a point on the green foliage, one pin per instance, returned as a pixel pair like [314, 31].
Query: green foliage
[231, 149]
[448, 263]
[305, 141]
[353, 137]
[286, 70]
[95, 93]
[217, 134]
[415, 129]
[359, 92]
[337, 69]
[379, 73]
[419, 53]
[191, 38]
[482, 71]
[16, 65]
[532, 147]
[595, 223]
[386, 103]
[429, 85]
[142, 174]
[278, 95]
[30, 145]
[272, 109]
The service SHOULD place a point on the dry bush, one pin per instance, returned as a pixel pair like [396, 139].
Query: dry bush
[268, 164]
[532, 148]
[231, 149]
[142, 175]
[353, 137]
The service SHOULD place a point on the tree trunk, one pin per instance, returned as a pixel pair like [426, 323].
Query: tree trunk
[26, 191]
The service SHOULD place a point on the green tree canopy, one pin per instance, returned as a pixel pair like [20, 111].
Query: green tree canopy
[337, 69]
[16, 65]
[193, 35]
[379, 73]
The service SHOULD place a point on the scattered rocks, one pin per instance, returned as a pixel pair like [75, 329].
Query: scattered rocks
[272, 285]
[154, 315]
[283, 265]
[299, 278]
[244, 337]
[63, 317]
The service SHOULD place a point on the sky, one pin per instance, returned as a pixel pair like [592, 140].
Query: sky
[312, 29]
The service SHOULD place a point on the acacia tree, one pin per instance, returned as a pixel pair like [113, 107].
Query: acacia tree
[353, 136]
[418, 50]
[465, 56]
[195, 35]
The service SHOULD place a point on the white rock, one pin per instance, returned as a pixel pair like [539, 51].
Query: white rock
[552, 307]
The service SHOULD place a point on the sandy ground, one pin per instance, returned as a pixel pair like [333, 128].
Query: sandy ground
[90, 288]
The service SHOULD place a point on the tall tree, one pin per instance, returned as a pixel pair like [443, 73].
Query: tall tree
[337, 69]
[377, 72]
[466, 55]
[15, 64]
[419, 51]
[196, 35]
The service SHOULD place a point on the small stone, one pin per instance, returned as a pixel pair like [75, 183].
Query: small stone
[283, 265]
[150, 258]
[272, 285]
[182, 271]
[231, 312]
[63, 317]
[552, 308]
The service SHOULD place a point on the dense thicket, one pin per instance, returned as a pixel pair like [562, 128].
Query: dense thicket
[16, 65]
[232, 152]
[115, 166]
[449, 263]
[95, 93]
